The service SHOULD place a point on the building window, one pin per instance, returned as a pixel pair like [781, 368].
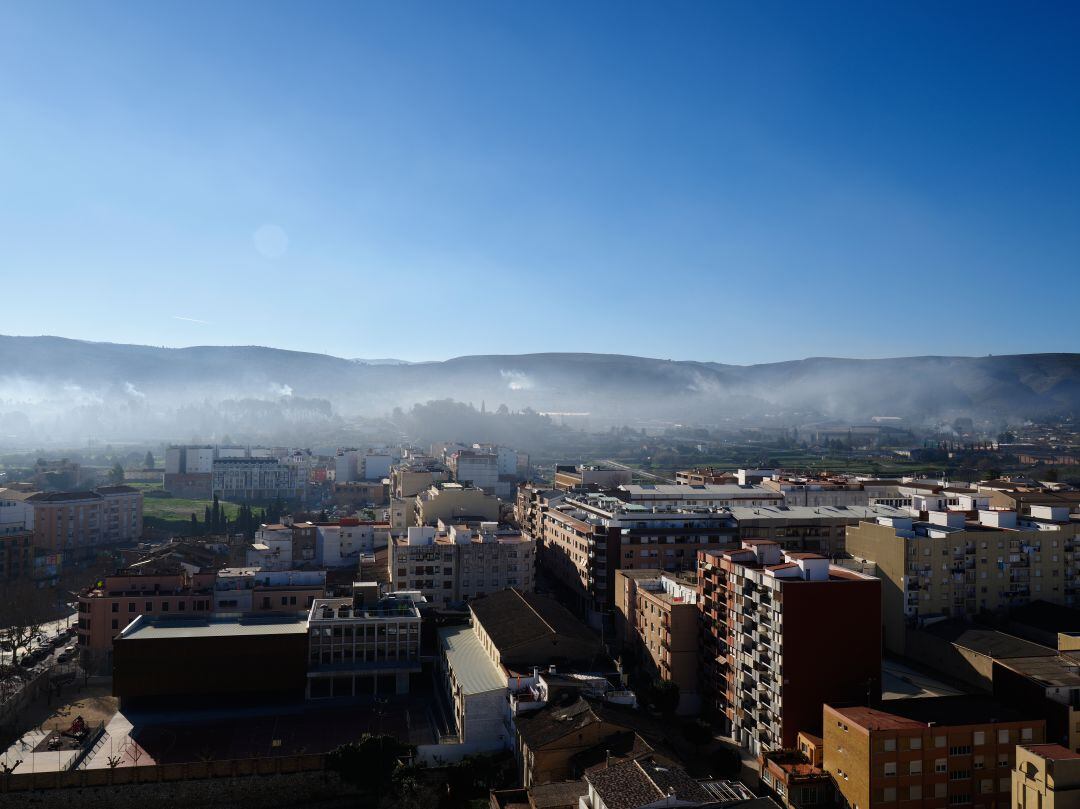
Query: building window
[115, 607]
[149, 606]
[115, 624]
[941, 765]
[979, 763]
[960, 775]
[960, 750]
[1003, 736]
[890, 745]
[939, 741]
[915, 743]
[131, 606]
[915, 767]
[1025, 734]
[889, 795]
[164, 606]
[980, 737]
[890, 768]
[915, 792]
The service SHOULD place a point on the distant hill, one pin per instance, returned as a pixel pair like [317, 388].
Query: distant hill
[50, 377]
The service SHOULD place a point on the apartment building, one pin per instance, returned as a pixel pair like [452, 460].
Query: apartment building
[585, 538]
[704, 476]
[958, 563]
[452, 564]
[810, 491]
[246, 479]
[16, 538]
[783, 632]
[819, 529]
[475, 468]
[930, 751]
[356, 648]
[1046, 776]
[657, 621]
[660, 495]
[454, 503]
[77, 523]
[113, 603]
[795, 778]
[250, 590]
[342, 544]
[530, 503]
[570, 478]
[409, 478]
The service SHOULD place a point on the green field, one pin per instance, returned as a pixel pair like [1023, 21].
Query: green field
[178, 508]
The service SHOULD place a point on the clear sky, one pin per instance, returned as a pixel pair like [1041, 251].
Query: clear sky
[740, 182]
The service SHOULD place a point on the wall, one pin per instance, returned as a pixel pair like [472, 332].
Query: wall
[284, 781]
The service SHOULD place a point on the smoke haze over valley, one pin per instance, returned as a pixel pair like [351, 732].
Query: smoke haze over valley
[57, 389]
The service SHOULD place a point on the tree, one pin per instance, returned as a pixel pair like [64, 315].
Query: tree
[148, 463]
[369, 763]
[194, 525]
[116, 474]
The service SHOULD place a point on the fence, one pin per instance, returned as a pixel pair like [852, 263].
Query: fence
[160, 773]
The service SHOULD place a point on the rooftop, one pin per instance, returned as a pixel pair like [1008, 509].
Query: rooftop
[511, 617]
[1052, 752]
[143, 628]
[989, 642]
[640, 782]
[468, 659]
[924, 712]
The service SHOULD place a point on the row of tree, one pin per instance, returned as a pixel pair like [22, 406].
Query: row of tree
[216, 520]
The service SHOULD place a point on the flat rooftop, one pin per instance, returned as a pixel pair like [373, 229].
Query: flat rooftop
[815, 512]
[215, 627]
[924, 712]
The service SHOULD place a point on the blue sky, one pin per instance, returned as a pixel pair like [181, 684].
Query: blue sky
[740, 182]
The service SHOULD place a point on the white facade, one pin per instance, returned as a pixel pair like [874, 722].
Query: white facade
[16, 516]
[376, 464]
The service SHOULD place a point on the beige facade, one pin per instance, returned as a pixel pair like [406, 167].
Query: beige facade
[660, 616]
[1046, 776]
[931, 752]
[452, 503]
[454, 564]
[952, 565]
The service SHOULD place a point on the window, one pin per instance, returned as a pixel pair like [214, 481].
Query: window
[939, 741]
[959, 775]
[915, 767]
[941, 765]
[1003, 759]
[939, 790]
[182, 606]
[979, 763]
[959, 798]
[890, 745]
[960, 750]
[115, 624]
[915, 743]
[1004, 784]
[889, 795]
[131, 606]
[149, 606]
[164, 606]
[1025, 734]
[115, 607]
[980, 737]
[1003, 737]
[986, 785]
[914, 793]
[890, 768]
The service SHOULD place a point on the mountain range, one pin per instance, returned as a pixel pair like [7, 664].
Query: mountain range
[43, 378]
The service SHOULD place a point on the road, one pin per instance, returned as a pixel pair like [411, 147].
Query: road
[636, 471]
[50, 630]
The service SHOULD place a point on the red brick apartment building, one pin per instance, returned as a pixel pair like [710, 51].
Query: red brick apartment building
[782, 633]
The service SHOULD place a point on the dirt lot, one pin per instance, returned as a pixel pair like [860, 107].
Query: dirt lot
[95, 703]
